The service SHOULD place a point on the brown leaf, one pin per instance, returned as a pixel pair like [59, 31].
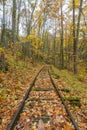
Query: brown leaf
[68, 127]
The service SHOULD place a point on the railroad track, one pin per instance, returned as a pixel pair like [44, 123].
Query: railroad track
[43, 101]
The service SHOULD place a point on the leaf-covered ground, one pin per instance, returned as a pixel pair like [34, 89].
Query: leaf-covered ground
[13, 86]
[44, 105]
[77, 85]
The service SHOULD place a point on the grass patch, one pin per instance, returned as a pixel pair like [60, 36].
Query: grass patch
[70, 79]
[65, 90]
[2, 89]
[11, 62]
[71, 99]
[76, 83]
[56, 76]
[80, 78]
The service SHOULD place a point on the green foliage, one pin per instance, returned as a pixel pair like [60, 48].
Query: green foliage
[66, 90]
[35, 41]
[74, 82]
[56, 76]
[80, 77]
[2, 89]
[21, 64]
[18, 53]
[14, 63]
[4, 96]
[11, 61]
[36, 44]
[75, 101]
[72, 98]
[2, 50]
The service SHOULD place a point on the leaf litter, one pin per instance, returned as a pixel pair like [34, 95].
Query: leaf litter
[13, 86]
[51, 111]
[79, 112]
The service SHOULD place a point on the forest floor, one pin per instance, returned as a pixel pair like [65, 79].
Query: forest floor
[13, 85]
[77, 87]
[15, 82]
[44, 105]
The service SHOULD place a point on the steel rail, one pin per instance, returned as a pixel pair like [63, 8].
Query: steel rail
[63, 102]
[17, 114]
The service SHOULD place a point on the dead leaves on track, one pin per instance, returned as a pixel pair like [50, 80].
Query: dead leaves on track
[78, 91]
[45, 106]
[13, 86]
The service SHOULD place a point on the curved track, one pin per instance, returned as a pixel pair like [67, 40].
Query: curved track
[43, 101]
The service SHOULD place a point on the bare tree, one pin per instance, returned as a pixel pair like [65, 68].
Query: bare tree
[14, 21]
[62, 37]
[76, 34]
[3, 26]
[18, 17]
[29, 25]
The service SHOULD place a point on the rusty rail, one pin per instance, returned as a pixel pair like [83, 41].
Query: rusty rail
[63, 102]
[17, 114]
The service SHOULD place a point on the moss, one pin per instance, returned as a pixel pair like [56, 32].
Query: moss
[56, 76]
[72, 99]
[75, 101]
[65, 90]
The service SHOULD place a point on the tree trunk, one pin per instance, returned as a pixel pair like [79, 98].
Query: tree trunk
[18, 19]
[31, 17]
[3, 27]
[76, 35]
[74, 40]
[62, 41]
[14, 21]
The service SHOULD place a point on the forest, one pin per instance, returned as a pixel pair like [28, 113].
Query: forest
[37, 33]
